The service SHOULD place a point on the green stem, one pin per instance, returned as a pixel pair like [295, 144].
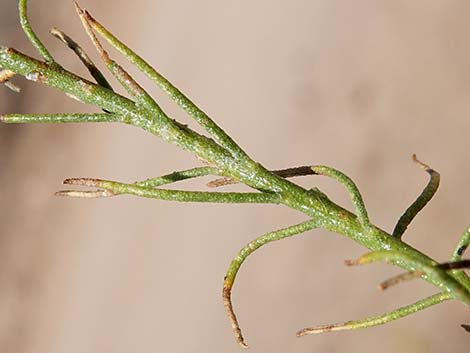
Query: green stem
[421, 201]
[378, 320]
[90, 93]
[352, 190]
[28, 30]
[463, 244]
[123, 77]
[242, 255]
[57, 118]
[177, 176]
[83, 56]
[117, 188]
[174, 93]
[439, 276]
[226, 158]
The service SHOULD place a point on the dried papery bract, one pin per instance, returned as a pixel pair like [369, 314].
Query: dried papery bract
[5, 76]
[228, 163]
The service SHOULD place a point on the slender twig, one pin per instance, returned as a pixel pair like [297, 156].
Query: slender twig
[447, 282]
[378, 320]
[408, 276]
[246, 251]
[463, 244]
[83, 56]
[89, 194]
[58, 118]
[420, 202]
[28, 30]
[117, 188]
[90, 93]
[174, 93]
[177, 176]
[283, 173]
[126, 80]
[352, 189]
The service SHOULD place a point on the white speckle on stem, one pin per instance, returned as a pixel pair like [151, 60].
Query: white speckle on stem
[33, 76]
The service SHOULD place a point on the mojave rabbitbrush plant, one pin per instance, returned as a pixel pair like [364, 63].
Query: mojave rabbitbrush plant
[224, 158]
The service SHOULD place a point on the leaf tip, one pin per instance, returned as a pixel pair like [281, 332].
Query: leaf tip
[77, 7]
[226, 298]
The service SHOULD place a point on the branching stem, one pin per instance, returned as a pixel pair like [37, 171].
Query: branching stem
[226, 159]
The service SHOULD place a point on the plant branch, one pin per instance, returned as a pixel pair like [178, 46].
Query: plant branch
[463, 244]
[116, 188]
[58, 118]
[28, 30]
[83, 56]
[177, 176]
[283, 173]
[378, 320]
[225, 158]
[352, 190]
[90, 93]
[174, 93]
[421, 201]
[446, 281]
[246, 251]
[126, 80]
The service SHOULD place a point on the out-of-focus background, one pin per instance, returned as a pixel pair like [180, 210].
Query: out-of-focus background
[358, 85]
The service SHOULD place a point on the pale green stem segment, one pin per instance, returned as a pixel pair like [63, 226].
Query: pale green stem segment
[352, 190]
[381, 319]
[421, 201]
[177, 176]
[115, 188]
[174, 93]
[58, 118]
[247, 250]
[444, 281]
[131, 86]
[463, 244]
[28, 30]
[83, 56]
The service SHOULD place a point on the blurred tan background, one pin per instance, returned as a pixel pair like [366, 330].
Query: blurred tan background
[358, 85]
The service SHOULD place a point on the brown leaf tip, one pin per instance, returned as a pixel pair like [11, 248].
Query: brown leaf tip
[315, 330]
[78, 9]
[226, 298]
[352, 262]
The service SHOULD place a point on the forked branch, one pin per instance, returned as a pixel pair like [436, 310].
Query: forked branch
[226, 161]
